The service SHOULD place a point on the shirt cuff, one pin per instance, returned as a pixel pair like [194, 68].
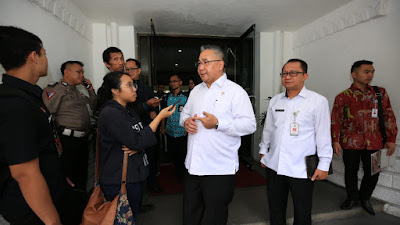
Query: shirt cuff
[324, 166]
[263, 150]
[223, 124]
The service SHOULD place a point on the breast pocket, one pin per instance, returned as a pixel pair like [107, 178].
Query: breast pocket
[306, 120]
[222, 109]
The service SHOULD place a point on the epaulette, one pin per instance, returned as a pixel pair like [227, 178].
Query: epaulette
[52, 84]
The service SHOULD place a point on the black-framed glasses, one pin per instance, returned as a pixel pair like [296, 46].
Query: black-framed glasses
[173, 81]
[131, 69]
[292, 74]
[205, 63]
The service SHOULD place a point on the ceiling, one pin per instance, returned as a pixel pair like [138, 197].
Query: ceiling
[208, 17]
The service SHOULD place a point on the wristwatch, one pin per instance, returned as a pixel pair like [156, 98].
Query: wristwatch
[216, 125]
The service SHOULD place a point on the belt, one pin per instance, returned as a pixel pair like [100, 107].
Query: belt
[73, 133]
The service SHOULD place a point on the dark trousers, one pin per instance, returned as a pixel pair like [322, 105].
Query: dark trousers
[74, 159]
[134, 192]
[178, 147]
[152, 158]
[206, 199]
[351, 159]
[278, 187]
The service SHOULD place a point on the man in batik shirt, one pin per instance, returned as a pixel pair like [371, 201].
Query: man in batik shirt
[356, 130]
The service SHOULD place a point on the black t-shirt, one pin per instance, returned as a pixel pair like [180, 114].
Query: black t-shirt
[27, 134]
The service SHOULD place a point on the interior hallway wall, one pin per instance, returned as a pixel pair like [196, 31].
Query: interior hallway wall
[367, 29]
[66, 34]
[111, 35]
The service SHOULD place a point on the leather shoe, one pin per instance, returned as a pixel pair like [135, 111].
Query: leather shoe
[348, 204]
[366, 204]
[146, 208]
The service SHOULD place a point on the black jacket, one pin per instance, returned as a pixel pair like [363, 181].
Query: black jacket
[117, 127]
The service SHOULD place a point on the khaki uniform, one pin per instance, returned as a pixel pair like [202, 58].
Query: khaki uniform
[68, 105]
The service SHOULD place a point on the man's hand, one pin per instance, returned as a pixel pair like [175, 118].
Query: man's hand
[191, 125]
[153, 102]
[209, 121]
[319, 175]
[153, 115]
[261, 156]
[391, 148]
[337, 148]
[87, 81]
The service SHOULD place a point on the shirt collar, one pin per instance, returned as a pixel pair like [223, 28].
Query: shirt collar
[303, 93]
[21, 84]
[354, 88]
[220, 81]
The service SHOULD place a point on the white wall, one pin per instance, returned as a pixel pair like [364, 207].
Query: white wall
[61, 40]
[111, 35]
[331, 44]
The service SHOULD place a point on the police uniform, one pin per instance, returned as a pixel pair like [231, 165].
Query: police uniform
[69, 109]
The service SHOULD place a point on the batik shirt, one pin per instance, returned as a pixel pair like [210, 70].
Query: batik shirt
[353, 125]
[172, 127]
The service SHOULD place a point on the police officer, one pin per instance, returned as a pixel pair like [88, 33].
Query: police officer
[69, 109]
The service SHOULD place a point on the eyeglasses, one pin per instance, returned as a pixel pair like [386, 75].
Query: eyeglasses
[131, 69]
[291, 74]
[205, 63]
[173, 81]
[132, 86]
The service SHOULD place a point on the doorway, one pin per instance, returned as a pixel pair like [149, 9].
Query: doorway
[164, 55]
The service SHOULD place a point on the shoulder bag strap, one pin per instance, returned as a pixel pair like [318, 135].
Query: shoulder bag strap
[380, 113]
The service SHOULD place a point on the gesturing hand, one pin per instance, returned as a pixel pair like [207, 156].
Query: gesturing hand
[209, 121]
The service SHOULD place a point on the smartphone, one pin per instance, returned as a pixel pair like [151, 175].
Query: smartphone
[176, 102]
[86, 84]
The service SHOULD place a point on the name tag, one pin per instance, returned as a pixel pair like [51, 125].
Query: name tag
[294, 129]
[279, 110]
[374, 113]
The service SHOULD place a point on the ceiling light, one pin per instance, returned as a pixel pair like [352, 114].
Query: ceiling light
[179, 50]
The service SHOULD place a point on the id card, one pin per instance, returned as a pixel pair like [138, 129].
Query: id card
[294, 129]
[374, 113]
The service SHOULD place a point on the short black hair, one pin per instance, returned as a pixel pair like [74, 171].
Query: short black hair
[134, 60]
[15, 46]
[217, 50]
[108, 51]
[69, 63]
[356, 65]
[303, 64]
[179, 76]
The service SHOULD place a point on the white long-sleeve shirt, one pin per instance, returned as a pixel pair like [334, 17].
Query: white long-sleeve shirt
[215, 151]
[287, 153]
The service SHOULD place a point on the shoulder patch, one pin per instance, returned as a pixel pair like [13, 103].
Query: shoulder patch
[50, 93]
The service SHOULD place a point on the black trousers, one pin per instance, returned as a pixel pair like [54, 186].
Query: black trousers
[152, 157]
[74, 159]
[206, 199]
[351, 159]
[178, 147]
[278, 187]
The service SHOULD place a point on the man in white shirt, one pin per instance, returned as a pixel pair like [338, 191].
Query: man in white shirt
[217, 113]
[297, 125]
